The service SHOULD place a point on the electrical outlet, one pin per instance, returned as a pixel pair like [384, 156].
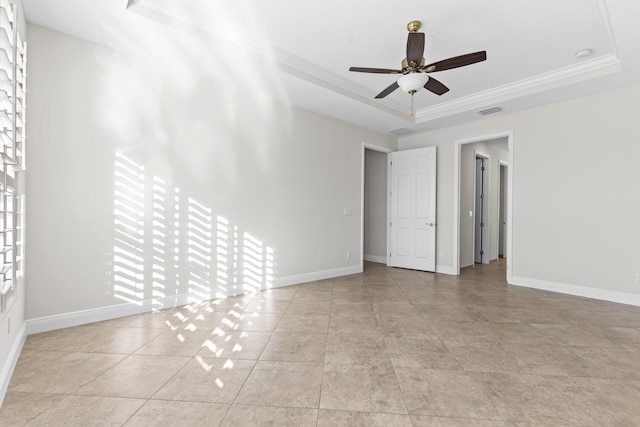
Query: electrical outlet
[348, 255]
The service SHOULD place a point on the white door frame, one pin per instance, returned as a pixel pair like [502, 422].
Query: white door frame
[456, 197]
[381, 149]
[502, 207]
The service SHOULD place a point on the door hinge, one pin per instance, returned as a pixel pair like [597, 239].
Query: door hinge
[389, 254]
[482, 168]
[390, 224]
[481, 253]
[482, 224]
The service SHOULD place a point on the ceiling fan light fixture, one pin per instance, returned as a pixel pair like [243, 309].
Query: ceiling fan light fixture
[412, 82]
[414, 71]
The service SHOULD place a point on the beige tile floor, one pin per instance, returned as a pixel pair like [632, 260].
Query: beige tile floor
[388, 347]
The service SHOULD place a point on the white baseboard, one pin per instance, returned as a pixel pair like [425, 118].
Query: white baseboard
[382, 260]
[375, 258]
[445, 269]
[99, 314]
[577, 290]
[318, 275]
[12, 360]
[83, 317]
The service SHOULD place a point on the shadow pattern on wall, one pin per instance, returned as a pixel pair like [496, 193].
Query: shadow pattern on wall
[171, 249]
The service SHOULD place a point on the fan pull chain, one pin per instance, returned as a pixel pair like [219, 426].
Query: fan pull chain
[413, 111]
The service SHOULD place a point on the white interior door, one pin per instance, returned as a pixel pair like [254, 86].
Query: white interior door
[412, 209]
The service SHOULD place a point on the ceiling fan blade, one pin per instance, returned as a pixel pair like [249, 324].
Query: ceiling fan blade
[415, 48]
[393, 86]
[375, 70]
[433, 85]
[456, 61]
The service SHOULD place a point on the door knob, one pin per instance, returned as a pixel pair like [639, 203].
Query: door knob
[430, 224]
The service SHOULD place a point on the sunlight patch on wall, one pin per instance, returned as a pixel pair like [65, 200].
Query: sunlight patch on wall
[199, 249]
[168, 246]
[258, 264]
[160, 238]
[128, 253]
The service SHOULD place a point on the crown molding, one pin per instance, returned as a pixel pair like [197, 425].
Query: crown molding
[587, 70]
[167, 13]
[263, 53]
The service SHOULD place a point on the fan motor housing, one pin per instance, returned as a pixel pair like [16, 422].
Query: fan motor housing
[406, 68]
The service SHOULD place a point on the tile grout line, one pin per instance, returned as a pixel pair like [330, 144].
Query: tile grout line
[326, 348]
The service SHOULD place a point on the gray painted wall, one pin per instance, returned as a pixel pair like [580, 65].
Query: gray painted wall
[375, 210]
[258, 187]
[575, 190]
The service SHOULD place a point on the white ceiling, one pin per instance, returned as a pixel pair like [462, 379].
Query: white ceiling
[300, 51]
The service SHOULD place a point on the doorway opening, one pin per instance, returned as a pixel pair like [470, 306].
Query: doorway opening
[373, 242]
[496, 150]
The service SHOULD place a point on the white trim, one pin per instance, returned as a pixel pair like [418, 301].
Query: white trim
[456, 198]
[442, 269]
[269, 55]
[509, 247]
[379, 148]
[577, 290]
[99, 314]
[265, 53]
[589, 69]
[362, 172]
[506, 165]
[606, 21]
[83, 317]
[389, 186]
[10, 363]
[445, 269]
[318, 275]
[375, 258]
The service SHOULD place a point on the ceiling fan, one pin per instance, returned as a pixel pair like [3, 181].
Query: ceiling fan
[415, 72]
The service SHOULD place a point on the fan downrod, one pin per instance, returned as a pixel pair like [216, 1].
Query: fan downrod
[414, 26]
